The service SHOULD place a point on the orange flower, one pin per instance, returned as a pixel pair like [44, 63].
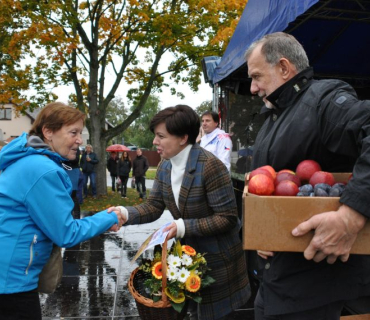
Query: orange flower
[189, 250]
[193, 283]
[157, 270]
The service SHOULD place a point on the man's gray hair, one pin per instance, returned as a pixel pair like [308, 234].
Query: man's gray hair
[280, 45]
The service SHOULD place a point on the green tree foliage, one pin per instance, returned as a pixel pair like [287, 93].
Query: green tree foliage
[203, 107]
[130, 42]
[116, 114]
[139, 133]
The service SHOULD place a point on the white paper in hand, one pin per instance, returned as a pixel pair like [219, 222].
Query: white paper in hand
[157, 237]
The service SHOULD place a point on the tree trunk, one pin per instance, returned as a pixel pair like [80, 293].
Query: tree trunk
[99, 143]
[101, 173]
[97, 121]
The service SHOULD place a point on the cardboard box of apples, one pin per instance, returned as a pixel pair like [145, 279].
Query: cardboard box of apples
[274, 203]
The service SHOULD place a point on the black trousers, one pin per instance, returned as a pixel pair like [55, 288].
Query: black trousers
[20, 306]
[114, 177]
[330, 311]
[124, 180]
[140, 185]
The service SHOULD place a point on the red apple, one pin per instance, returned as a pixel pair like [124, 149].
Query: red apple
[286, 170]
[261, 185]
[286, 188]
[260, 171]
[271, 170]
[322, 177]
[285, 175]
[306, 169]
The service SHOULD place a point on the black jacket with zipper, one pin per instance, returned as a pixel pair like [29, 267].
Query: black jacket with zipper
[323, 121]
[140, 166]
[124, 167]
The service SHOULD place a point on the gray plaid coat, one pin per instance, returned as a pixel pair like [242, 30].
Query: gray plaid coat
[208, 207]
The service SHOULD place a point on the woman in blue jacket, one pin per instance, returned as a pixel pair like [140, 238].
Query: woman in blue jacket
[35, 211]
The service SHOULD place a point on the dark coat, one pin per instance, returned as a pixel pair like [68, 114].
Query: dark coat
[89, 166]
[140, 166]
[112, 166]
[124, 167]
[208, 207]
[323, 121]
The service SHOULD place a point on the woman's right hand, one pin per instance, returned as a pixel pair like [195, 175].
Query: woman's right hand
[265, 254]
[172, 228]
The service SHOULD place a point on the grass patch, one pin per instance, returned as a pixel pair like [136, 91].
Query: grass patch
[111, 199]
[114, 198]
[150, 174]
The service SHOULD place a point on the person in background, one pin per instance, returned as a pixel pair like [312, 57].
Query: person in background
[88, 165]
[214, 139]
[112, 165]
[321, 120]
[124, 168]
[139, 168]
[80, 187]
[73, 170]
[200, 135]
[35, 211]
[196, 188]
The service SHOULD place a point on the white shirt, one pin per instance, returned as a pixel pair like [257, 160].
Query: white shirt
[219, 143]
[177, 174]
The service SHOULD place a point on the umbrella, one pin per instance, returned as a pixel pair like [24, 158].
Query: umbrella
[117, 148]
[246, 152]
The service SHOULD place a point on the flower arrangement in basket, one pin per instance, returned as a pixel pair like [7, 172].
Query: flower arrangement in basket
[186, 274]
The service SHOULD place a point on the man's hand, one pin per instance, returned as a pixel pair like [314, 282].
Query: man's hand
[265, 254]
[335, 233]
[122, 219]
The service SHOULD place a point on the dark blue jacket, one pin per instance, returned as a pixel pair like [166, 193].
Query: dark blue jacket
[88, 166]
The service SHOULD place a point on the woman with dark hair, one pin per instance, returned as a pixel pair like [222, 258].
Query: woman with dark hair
[124, 168]
[35, 211]
[196, 188]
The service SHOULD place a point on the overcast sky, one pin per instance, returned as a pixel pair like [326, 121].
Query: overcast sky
[192, 99]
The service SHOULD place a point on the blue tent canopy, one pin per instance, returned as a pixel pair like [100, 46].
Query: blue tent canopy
[334, 33]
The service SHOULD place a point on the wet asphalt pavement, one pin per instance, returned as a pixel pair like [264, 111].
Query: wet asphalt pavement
[95, 275]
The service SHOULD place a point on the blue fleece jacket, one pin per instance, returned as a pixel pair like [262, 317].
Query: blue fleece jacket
[35, 212]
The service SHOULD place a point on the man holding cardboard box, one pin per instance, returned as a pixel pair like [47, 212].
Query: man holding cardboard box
[323, 121]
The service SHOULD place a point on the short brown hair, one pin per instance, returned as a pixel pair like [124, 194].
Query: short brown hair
[180, 120]
[213, 114]
[54, 116]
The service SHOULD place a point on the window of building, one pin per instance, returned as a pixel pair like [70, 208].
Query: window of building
[6, 114]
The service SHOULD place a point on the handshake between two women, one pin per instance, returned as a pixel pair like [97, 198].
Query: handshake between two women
[122, 216]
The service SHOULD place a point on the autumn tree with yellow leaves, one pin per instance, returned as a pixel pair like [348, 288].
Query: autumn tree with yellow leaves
[46, 43]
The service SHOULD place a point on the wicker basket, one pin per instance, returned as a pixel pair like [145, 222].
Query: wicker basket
[147, 308]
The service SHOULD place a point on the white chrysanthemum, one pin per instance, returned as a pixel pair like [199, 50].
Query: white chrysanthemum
[172, 273]
[173, 261]
[186, 260]
[183, 274]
